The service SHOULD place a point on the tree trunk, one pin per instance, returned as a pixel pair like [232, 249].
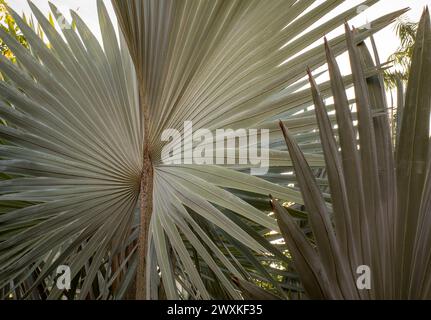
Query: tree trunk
[146, 211]
[146, 199]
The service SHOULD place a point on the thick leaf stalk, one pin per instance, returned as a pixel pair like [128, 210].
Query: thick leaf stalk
[146, 210]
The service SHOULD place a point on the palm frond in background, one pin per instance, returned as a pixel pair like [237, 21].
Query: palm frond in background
[406, 31]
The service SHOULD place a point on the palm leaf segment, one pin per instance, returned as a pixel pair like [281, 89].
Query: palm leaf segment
[75, 113]
[380, 197]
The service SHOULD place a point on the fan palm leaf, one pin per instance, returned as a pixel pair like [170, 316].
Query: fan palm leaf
[84, 121]
[379, 197]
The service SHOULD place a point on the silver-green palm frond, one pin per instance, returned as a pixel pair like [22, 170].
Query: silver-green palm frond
[82, 116]
[380, 197]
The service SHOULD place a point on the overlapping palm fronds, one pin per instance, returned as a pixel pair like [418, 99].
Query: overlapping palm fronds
[83, 141]
[380, 198]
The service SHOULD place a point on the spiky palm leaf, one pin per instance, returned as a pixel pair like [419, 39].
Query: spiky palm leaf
[380, 198]
[84, 126]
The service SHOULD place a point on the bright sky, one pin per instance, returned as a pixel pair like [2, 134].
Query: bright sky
[87, 9]
[386, 40]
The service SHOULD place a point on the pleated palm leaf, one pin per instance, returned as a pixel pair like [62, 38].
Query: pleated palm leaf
[380, 198]
[86, 186]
